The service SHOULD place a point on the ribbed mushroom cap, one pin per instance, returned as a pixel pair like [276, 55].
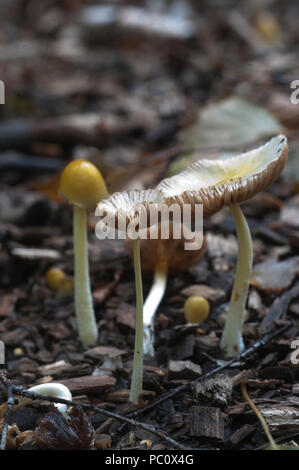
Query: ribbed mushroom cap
[170, 251]
[82, 184]
[215, 183]
[129, 206]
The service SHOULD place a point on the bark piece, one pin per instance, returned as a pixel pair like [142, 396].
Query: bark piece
[183, 370]
[56, 368]
[213, 295]
[241, 434]
[89, 383]
[216, 390]
[102, 352]
[207, 421]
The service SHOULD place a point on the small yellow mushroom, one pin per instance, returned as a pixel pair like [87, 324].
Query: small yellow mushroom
[54, 277]
[82, 185]
[196, 309]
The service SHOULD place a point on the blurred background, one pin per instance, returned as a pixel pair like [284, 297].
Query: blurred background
[141, 89]
[117, 82]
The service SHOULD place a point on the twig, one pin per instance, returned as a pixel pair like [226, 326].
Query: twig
[9, 405]
[19, 390]
[262, 342]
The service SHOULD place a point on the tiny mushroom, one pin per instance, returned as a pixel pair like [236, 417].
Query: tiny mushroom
[82, 185]
[52, 389]
[58, 280]
[127, 213]
[163, 256]
[196, 309]
[230, 181]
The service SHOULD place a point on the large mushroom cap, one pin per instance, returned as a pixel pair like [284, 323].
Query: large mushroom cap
[82, 184]
[215, 183]
[170, 250]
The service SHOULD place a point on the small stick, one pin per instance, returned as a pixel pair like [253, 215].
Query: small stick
[19, 390]
[262, 342]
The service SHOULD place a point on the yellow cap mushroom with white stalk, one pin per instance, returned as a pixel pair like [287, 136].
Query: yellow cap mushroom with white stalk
[215, 183]
[128, 211]
[163, 257]
[82, 185]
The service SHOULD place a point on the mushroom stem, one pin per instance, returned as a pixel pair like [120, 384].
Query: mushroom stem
[151, 304]
[232, 340]
[137, 374]
[87, 327]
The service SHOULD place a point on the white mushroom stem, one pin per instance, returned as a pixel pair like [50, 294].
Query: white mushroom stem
[55, 390]
[87, 327]
[151, 304]
[232, 340]
[137, 374]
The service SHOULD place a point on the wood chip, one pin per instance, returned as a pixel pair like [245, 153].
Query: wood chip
[278, 308]
[241, 434]
[101, 352]
[89, 383]
[216, 390]
[103, 441]
[125, 315]
[215, 296]
[183, 370]
[274, 276]
[56, 368]
[207, 422]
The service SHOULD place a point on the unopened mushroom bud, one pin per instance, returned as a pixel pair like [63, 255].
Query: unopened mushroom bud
[163, 257]
[82, 185]
[196, 309]
[58, 280]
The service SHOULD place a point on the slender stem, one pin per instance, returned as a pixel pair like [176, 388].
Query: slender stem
[151, 304]
[232, 340]
[259, 415]
[87, 327]
[137, 375]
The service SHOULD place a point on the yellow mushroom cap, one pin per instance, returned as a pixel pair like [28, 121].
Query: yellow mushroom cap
[54, 277]
[82, 184]
[196, 309]
[215, 183]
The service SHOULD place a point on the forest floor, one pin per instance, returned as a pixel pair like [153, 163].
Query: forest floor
[129, 99]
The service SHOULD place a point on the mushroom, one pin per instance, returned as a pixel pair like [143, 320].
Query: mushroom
[52, 389]
[162, 257]
[58, 280]
[196, 309]
[214, 183]
[82, 185]
[127, 213]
